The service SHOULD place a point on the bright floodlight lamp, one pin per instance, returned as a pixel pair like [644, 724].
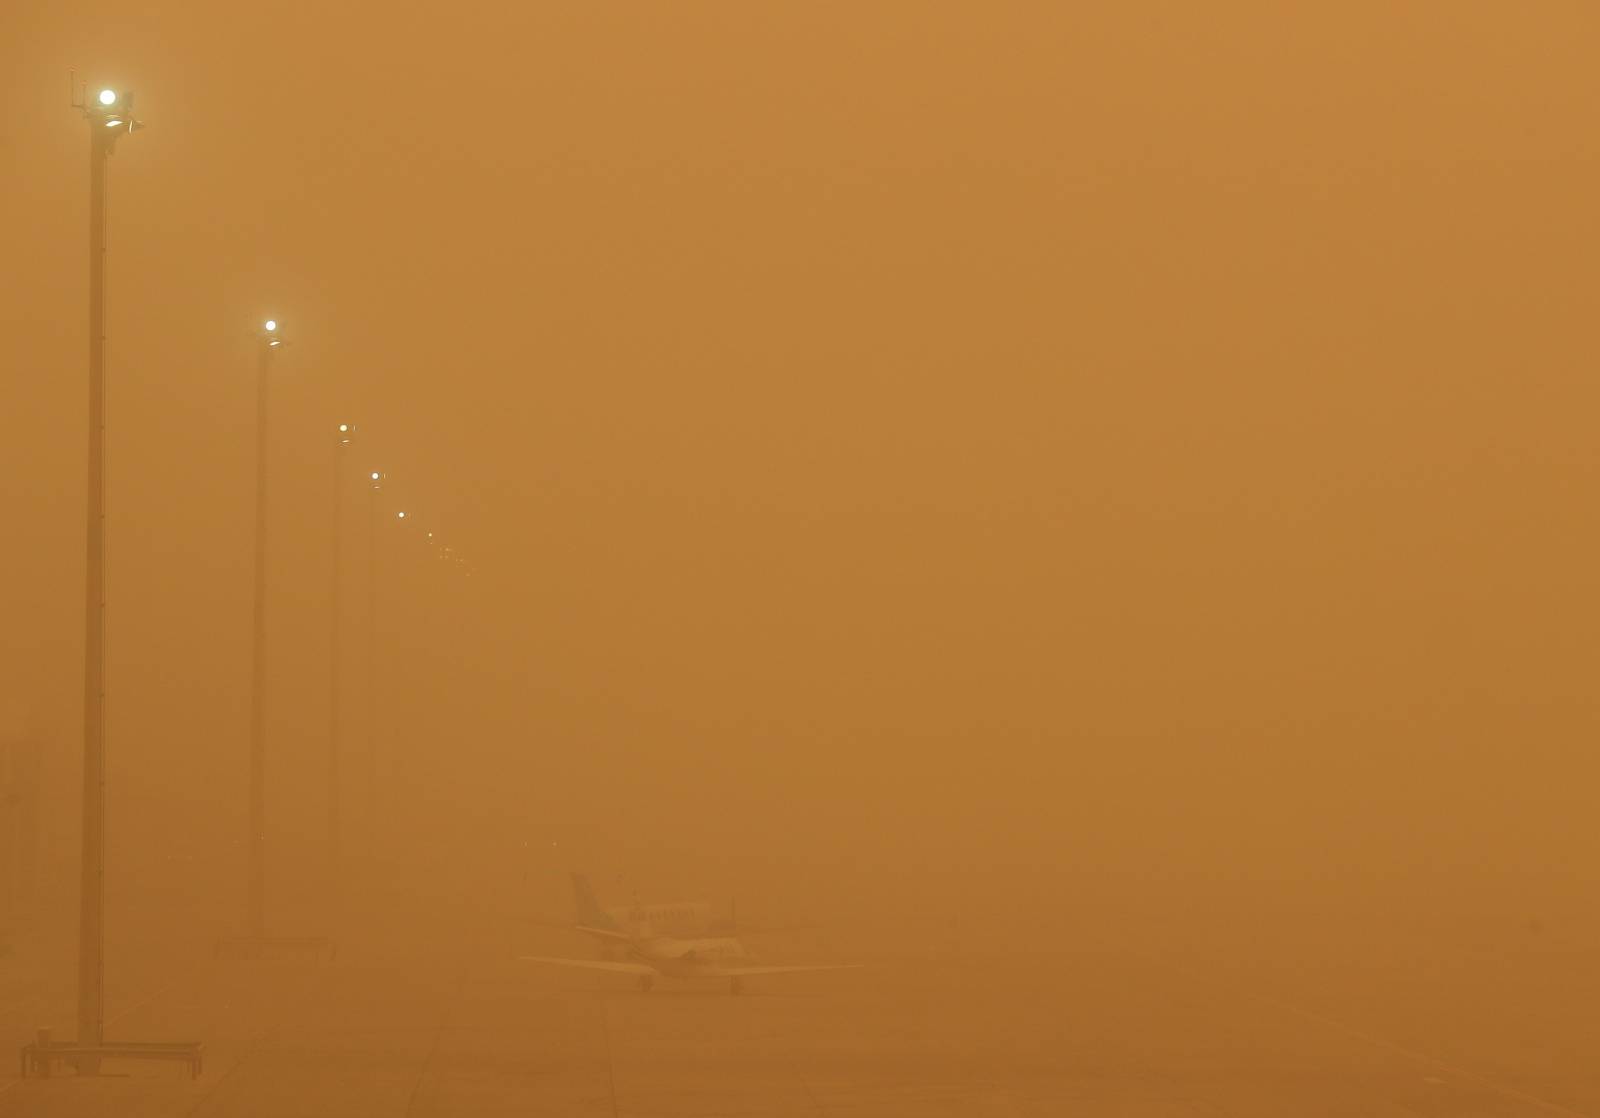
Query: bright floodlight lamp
[112, 103]
[113, 108]
[272, 326]
[400, 515]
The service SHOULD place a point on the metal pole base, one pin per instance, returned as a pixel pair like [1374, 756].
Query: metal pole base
[41, 1057]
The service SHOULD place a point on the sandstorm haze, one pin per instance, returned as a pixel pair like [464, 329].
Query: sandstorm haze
[1116, 471]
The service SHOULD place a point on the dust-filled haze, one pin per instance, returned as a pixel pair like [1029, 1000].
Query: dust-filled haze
[971, 481]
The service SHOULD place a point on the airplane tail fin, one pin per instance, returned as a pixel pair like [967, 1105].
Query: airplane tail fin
[590, 914]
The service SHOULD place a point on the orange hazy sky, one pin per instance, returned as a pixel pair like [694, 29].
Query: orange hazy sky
[1151, 437]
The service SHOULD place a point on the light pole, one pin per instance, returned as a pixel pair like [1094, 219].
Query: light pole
[109, 118]
[375, 482]
[256, 922]
[255, 942]
[346, 433]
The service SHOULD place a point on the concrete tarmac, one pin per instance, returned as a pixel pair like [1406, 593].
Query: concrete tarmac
[387, 1030]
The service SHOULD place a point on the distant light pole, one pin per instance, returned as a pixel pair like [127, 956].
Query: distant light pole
[375, 481]
[256, 923]
[255, 943]
[346, 434]
[110, 117]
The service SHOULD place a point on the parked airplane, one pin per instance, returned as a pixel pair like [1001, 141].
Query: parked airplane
[681, 918]
[653, 956]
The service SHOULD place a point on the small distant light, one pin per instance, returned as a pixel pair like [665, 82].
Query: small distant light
[343, 427]
[376, 475]
[430, 535]
[275, 342]
[272, 324]
[108, 97]
[401, 515]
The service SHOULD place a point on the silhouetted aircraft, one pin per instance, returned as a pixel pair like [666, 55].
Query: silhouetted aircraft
[650, 956]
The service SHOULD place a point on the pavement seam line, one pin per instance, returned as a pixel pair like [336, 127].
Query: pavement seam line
[1398, 1049]
[223, 1078]
[1425, 1059]
[438, 1034]
[611, 1064]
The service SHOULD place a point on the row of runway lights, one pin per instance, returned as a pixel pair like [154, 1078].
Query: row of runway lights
[114, 110]
[273, 338]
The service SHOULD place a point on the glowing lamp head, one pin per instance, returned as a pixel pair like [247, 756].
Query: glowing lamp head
[400, 516]
[271, 325]
[344, 428]
[108, 97]
[375, 475]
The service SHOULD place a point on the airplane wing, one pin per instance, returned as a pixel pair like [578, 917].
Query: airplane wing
[592, 964]
[741, 972]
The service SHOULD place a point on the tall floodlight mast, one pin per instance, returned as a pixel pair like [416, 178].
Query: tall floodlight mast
[256, 921]
[255, 942]
[110, 117]
[375, 481]
[345, 433]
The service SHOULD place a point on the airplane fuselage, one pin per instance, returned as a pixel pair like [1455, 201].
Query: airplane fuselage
[683, 919]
